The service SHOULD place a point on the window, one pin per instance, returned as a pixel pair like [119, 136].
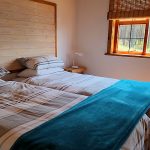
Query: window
[130, 37]
[129, 31]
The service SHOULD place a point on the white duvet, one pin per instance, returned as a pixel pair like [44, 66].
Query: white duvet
[71, 82]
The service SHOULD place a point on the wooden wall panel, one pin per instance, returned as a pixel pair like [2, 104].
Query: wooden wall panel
[27, 28]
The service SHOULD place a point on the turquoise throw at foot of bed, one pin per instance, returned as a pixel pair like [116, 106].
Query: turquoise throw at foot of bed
[101, 122]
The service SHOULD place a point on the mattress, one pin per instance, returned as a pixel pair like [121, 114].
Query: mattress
[71, 82]
[24, 107]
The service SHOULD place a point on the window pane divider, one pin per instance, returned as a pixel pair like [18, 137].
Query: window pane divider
[146, 37]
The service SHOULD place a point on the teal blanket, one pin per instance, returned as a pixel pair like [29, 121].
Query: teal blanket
[101, 122]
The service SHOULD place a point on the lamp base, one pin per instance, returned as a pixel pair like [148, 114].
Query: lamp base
[75, 67]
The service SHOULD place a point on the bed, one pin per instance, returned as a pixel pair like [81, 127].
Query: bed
[24, 107]
[71, 82]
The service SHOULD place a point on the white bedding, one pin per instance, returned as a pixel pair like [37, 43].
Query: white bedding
[71, 82]
[24, 106]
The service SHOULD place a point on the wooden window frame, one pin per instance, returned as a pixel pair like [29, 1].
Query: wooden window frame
[113, 38]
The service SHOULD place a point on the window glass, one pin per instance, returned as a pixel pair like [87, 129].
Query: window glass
[138, 31]
[124, 31]
[136, 45]
[123, 45]
[131, 38]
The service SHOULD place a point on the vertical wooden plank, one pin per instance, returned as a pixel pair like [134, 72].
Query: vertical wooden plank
[109, 37]
[116, 37]
[27, 28]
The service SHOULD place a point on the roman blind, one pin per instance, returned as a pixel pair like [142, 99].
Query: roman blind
[128, 9]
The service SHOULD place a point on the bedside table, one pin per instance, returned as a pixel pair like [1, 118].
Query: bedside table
[80, 70]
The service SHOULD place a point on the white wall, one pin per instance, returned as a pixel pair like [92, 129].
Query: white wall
[65, 28]
[92, 31]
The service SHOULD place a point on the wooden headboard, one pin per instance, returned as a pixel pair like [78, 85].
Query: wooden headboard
[27, 28]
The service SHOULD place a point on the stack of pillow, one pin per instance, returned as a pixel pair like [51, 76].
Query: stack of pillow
[40, 65]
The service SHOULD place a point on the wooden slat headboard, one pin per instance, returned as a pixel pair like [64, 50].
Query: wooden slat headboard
[27, 28]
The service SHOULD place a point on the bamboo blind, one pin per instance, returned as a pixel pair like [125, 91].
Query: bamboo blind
[27, 28]
[129, 9]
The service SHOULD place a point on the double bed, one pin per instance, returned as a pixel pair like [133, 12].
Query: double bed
[24, 107]
[29, 104]
[63, 90]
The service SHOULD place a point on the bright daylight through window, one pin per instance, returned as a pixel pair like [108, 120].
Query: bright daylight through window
[131, 37]
[129, 28]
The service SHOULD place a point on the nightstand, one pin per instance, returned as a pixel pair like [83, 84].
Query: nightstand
[76, 70]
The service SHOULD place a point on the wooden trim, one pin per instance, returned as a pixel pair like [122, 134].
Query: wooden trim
[146, 37]
[45, 2]
[115, 49]
[110, 28]
[56, 30]
[128, 55]
[132, 22]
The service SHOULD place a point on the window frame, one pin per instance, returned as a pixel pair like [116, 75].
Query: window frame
[113, 37]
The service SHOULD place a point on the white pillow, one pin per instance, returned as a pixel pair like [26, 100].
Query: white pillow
[46, 65]
[41, 62]
[3, 72]
[30, 72]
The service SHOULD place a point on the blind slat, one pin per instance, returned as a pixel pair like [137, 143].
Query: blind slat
[128, 9]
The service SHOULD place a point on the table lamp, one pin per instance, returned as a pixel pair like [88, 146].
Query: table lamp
[75, 55]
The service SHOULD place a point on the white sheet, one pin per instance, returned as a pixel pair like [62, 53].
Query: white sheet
[71, 82]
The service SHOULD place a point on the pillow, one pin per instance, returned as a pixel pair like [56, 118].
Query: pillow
[41, 62]
[3, 72]
[30, 72]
